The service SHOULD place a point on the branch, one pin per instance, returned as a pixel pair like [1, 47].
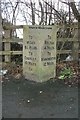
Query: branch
[57, 13]
[42, 13]
[14, 12]
[74, 9]
[33, 14]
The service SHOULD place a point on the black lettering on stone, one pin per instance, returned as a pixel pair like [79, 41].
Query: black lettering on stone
[30, 53]
[49, 53]
[25, 47]
[49, 47]
[31, 63]
[30, 69]
[25, 62]
[40, 27]
[30, 42]
[33, 47]
[46, 42]
[49, 42]
[48, 63]
[29, 58]
[49, 37]
[45, 64]
[30, 36]
[50, 58]
[45, 47]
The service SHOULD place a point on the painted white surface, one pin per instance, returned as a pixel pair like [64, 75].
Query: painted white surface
[39, 52]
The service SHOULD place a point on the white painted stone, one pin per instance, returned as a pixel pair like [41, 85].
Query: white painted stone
[39, 52]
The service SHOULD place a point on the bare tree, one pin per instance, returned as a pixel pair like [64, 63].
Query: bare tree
[42, 13]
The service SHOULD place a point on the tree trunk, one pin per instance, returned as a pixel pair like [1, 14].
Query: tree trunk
[33, 14]
[42, 13]
[46, 14]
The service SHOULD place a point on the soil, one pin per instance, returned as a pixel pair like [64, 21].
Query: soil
[26, 99]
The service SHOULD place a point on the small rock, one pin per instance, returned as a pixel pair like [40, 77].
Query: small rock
[18, 76]
[66, 83]
[20, 103]
[6, 78]
[1, 81]
[70, 107]
[40, 92]
[69, 85]
[28, 101]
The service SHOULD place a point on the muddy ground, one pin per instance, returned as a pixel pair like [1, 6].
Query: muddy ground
[25, 99]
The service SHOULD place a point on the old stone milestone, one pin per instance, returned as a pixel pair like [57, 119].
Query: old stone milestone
[39, 52]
